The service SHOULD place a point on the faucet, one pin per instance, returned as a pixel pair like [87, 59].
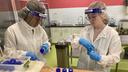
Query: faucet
[80, 20]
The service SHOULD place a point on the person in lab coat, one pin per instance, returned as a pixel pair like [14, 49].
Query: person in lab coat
[100, 44]
[27, 37]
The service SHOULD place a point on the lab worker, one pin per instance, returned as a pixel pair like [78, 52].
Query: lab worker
[27, 37]
[100, 44]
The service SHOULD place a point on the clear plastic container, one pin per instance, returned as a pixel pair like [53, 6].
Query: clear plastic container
[14, 67]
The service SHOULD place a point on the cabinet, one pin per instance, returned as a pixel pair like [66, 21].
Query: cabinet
[123, 31]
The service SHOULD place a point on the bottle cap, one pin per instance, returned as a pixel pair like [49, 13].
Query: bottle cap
[64, 70]
[70, 70]
[42, 50]
[58, 69]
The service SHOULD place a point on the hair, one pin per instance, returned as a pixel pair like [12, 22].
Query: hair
[101, 5]
[32, 5]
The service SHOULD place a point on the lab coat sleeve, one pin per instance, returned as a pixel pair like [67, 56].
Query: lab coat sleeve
[46, 40]
[114, 51]
[76, 37]
[10, 40]
[10, 44]
[75, 42]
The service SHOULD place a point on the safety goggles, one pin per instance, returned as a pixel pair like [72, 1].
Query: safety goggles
[38, 14]
[95, 10]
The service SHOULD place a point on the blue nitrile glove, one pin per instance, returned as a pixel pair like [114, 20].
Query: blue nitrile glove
[44, 48]
[94, 56]
[88, 45]
[32, 55]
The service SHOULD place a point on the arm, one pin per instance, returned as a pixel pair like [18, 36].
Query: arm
[75, 37]
[114, 52]
[105, 60]
[11, 47]
[90, 49]
[45, 47]
[10, 42]
[86, 44]
[75, 41]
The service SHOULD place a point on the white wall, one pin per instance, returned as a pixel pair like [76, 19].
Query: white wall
[6, 19]
[71, 15]
[117, 12]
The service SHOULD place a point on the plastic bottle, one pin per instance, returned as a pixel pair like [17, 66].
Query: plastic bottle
[12, 61]
[64, 70]
[70, 70]
[58, 69]
[44, 48]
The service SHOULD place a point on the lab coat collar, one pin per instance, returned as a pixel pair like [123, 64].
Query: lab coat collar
[102, 34]
[27, 26]
[90, 32]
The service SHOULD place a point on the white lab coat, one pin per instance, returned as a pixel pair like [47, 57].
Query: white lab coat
[107, 44]
[20, 37]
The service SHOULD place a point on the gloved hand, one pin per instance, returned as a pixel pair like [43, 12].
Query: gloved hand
[88, 45]
[32, 55]
[94, 56]
[44, 48]
[13, 61]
